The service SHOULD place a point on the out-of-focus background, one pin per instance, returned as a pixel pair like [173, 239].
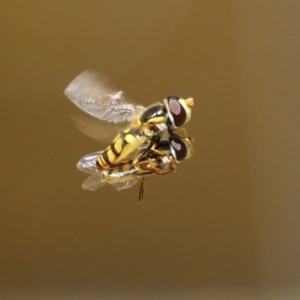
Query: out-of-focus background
[226, 225]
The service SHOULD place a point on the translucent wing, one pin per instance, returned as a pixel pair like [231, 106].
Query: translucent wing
[96, 129]
[93, 182]
[91, 92]
[87, 163]
[97, 180]
[124, 184]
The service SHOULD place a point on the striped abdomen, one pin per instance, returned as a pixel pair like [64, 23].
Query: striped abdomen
[124, 144]
[123, 172]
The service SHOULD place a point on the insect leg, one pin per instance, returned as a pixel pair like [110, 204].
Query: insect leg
[145, 152]
[141, 192]
[158, 171]
[180, 133]
[151, 165]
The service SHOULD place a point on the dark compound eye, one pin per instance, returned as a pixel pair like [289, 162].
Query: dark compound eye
[178, 148]
[177, 111]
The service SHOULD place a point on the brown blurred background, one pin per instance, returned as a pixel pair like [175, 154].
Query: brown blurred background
[226, 225]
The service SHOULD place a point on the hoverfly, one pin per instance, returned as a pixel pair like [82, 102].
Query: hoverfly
[140, 149]
[92, 94]
[162, 158]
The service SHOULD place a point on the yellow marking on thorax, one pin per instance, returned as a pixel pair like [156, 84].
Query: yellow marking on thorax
[159, 119]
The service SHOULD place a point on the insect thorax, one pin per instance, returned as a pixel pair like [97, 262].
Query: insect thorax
[155, 113]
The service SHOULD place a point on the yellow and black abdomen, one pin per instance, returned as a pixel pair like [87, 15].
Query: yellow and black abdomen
[139, 134]
[123, 172]
[124, 144]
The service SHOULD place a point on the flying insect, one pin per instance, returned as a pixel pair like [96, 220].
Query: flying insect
[144, 127]
[162, 158]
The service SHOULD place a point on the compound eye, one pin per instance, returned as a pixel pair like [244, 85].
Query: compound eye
[178, 149]
[177, 111]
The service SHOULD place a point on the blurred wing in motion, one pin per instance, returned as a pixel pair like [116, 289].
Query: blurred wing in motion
[96, 129]
[91, 92]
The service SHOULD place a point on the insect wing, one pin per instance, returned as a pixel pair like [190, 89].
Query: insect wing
[93, 182]
[124, 184]
[91, 92]
[97, 180]
[96, 129]
[87, 164]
